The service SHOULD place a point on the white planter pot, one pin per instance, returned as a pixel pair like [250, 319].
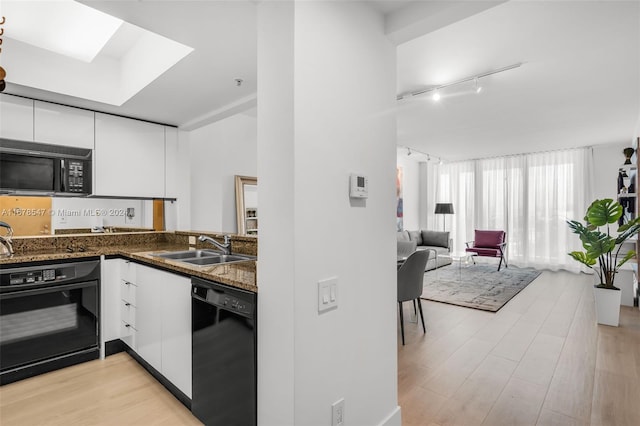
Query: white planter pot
[607, 306]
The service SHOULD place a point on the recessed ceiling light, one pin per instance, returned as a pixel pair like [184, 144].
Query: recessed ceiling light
[478, 87]
[63, 26]
[436, 95]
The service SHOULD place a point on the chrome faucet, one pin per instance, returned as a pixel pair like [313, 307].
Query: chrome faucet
[6, 239]
[226, 247]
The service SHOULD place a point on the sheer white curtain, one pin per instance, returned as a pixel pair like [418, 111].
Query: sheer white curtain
[455, 184]
[528, 196]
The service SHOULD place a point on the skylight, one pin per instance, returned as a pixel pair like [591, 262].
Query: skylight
[62, 26]
[70, 48]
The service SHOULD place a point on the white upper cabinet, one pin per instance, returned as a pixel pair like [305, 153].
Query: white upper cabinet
[63, 125]
[129, 157]
[171, 162]
[16, 118]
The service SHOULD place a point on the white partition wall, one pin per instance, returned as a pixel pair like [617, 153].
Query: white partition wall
[326, 109]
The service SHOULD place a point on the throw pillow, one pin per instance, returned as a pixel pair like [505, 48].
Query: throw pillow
[416, 236]
[435, 238]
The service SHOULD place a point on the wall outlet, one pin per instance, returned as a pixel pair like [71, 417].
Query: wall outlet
[337, 413]
[192, 240]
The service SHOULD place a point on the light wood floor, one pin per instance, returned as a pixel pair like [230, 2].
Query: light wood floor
[116, 391]
[541, 360]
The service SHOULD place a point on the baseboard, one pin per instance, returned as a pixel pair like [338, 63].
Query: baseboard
[113, 347]
[393, 419]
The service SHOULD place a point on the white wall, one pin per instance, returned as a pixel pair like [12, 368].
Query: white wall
[606, 160]
[326, 109]
[71, 213]
[218, 152]
[410, 189]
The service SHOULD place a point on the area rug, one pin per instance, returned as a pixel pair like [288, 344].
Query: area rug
[476, 286]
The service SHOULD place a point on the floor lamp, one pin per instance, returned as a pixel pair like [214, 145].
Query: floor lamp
[444, 208]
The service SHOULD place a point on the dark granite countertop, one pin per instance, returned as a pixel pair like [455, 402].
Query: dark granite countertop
[238, 274]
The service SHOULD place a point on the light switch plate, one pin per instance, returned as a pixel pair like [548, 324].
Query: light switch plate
[327, 294]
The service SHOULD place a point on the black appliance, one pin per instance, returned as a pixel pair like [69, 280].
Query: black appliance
[28, 167]
[49, 317]
[224, 354]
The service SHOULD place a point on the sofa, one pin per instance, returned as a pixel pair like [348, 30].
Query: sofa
[435, 240]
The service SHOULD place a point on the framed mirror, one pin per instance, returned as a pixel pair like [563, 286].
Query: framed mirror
[247, 205]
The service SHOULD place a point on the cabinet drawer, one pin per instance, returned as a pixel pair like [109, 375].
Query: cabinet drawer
[128, 313]
[128, 292]
[128, 271]
[128, 335]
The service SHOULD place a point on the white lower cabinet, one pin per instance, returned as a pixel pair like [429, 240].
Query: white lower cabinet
[150, 310]
[176, 331]
[149, 315]
[110, 328]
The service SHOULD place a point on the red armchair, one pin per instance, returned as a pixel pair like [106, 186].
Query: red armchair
[489, 244]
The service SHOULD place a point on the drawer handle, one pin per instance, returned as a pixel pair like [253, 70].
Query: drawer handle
[127, 283]
[127, 304]
[127, 325]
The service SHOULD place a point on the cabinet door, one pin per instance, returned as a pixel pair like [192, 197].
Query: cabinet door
[176, 331]
[148, 315]
[63, 125]
[110, 296]
[128, 157]
[16, 118]
[171, 162]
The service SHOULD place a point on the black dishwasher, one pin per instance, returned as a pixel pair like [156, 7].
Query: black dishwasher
[224, 354]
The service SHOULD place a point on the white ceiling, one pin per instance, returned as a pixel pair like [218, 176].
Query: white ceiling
[223, 35]
[579, 84]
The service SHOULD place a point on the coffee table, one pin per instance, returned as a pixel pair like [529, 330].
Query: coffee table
[462, 258]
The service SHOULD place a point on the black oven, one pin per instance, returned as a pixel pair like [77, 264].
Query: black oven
[49, 317]
[27, 167]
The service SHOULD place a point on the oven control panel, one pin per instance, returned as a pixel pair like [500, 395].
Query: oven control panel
[37, 275]
[32, 276]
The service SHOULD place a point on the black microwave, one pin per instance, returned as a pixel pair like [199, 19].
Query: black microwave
[42, 169]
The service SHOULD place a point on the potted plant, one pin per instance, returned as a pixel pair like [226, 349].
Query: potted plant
[603, 249]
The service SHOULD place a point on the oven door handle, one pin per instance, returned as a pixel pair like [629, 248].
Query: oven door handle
[45, 290]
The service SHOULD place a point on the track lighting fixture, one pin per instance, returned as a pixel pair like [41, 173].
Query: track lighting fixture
[412, 151]
[436, 90]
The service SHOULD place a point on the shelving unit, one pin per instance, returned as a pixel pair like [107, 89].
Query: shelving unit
[635, 287]
[627, 195]
[251, 220]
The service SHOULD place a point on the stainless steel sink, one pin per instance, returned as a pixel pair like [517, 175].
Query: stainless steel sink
[223, 258]
[203, 257]
[188, 254]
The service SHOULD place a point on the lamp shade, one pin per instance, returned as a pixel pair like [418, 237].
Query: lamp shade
[444, 208]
